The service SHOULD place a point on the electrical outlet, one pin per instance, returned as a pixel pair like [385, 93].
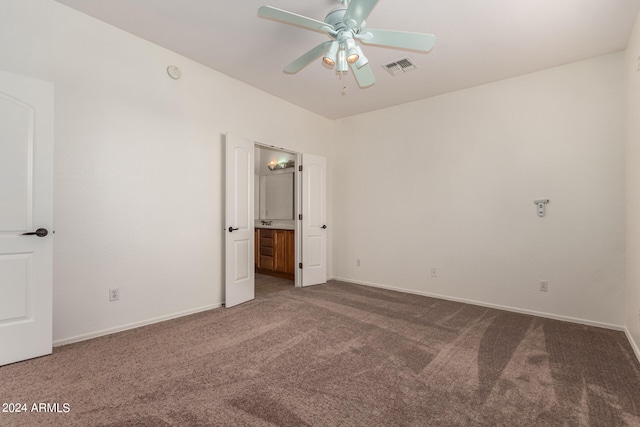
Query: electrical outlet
[434, 272]
[357, 263]
[114, 294]
[544, 285]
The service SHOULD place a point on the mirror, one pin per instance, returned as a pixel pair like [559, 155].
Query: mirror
[276, 196]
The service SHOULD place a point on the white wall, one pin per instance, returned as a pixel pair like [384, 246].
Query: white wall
[446, 182]
[138, 164]
[449, 182]
[632, 296]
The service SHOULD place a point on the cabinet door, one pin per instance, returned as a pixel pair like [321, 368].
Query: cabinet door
[290, 252]
[280, 250]
[256, 247]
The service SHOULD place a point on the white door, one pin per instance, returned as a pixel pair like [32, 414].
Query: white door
[239, 240]
[314, 220]
[26, 204]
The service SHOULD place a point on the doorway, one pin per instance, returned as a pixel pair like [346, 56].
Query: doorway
[309, 224]
[275, 213]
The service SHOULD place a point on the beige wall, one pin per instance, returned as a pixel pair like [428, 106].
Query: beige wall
[632, 297]
[138, 164]
[446, 182]
[449, 182]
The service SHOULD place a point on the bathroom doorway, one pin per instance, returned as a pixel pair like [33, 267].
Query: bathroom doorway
[275, 213]
[309, 232]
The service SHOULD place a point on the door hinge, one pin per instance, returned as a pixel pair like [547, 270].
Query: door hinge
[300, 168]
[300, 217]
[300, 265]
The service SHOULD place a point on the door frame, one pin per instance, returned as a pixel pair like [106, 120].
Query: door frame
[297, 203]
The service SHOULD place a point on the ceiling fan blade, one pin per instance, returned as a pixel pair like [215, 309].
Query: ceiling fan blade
[364, 75]
[357, 12]
[307, 58]
[294, 19]
[401, 39]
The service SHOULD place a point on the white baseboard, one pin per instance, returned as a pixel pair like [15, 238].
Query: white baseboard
[489, 305]
[633, 343]
[134, 325]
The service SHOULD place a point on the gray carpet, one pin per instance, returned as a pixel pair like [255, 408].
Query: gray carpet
[337, 354]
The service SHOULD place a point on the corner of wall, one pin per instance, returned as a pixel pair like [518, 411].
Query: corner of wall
[632, 196]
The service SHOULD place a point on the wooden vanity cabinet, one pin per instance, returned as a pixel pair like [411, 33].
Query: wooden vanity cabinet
[266, 249]
[275, 252]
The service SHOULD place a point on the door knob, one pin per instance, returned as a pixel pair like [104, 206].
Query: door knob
[231, 229]
[40, 232]
[324, 227]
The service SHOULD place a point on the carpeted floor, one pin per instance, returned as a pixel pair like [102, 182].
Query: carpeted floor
[337, 354]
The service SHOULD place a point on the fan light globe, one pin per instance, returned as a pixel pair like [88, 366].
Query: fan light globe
[342, 62]
[352, 53]
[330, 57]
[362, 60]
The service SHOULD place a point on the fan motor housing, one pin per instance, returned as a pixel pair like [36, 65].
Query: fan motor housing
[335, 18]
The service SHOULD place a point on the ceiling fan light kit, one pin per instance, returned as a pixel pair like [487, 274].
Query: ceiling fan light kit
[344, 25]
[342, 66]
[350, 47]
[330, 57]
[362, 60]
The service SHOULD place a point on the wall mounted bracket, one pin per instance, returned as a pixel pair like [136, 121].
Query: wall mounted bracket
[541, 205]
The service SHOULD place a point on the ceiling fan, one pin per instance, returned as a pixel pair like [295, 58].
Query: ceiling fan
[345, 25]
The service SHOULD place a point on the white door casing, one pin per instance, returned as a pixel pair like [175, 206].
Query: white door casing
[239, 229]
[314, 220]
[26, 204]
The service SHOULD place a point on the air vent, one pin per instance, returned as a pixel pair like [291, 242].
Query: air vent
[399, 67]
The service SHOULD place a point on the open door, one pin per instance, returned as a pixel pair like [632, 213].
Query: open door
[314, 220]
[239, 230]
[26, 204]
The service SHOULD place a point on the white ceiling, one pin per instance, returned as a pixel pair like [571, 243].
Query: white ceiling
[476, 42]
